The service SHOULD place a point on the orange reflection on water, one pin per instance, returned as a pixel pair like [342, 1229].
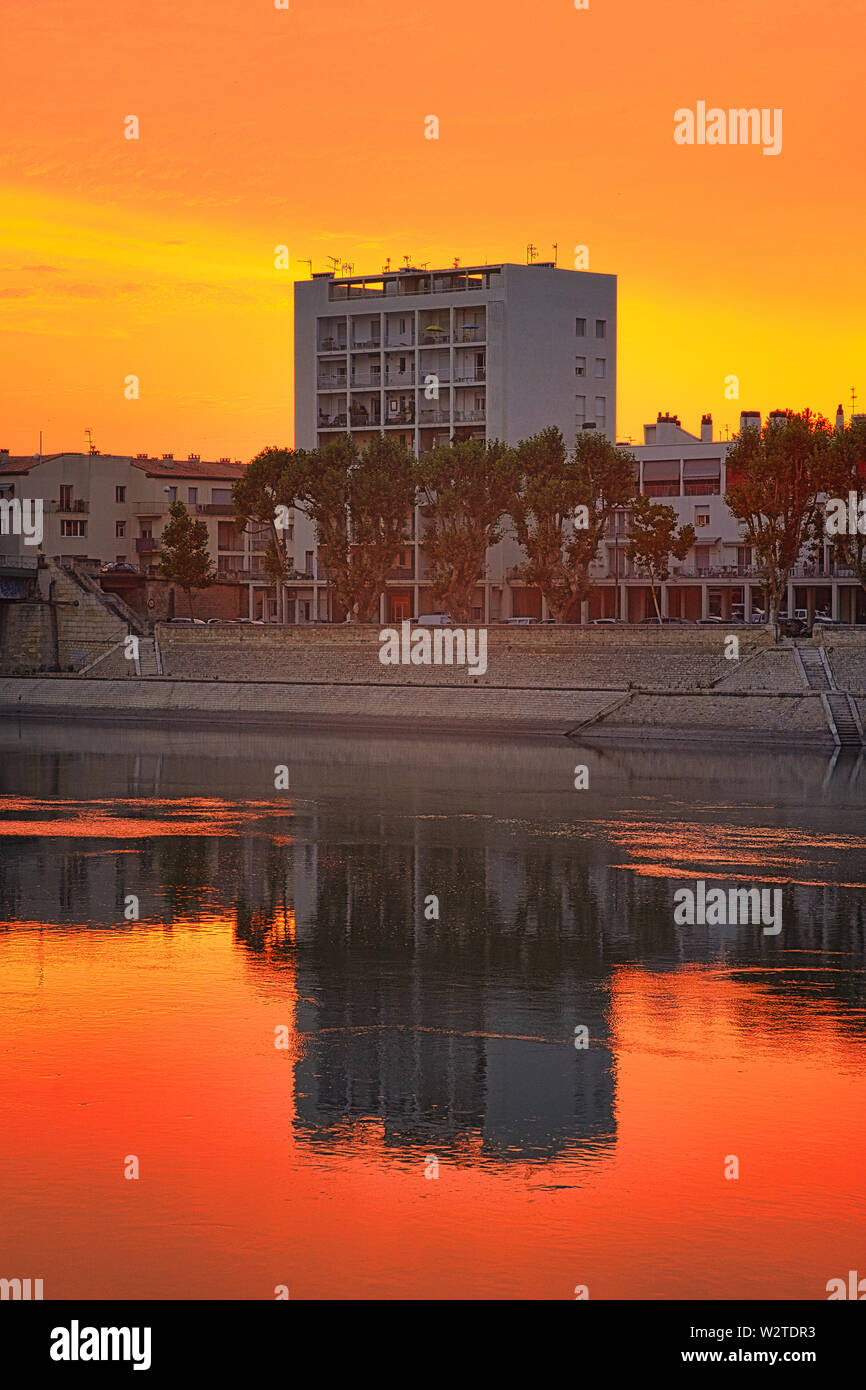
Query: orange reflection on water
[162, 1045]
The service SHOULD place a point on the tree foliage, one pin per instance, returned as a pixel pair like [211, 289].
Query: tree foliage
[464, 489]
[656, 539]
[846, 474]
[361, 506]
[561, 506]
[774, 477]
[184, 555]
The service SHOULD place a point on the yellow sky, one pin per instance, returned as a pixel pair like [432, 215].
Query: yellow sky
[258, 127]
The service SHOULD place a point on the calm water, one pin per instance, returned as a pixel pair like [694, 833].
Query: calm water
[303, 917]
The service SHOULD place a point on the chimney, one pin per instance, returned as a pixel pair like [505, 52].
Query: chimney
[706, 429]
[667, 427]
[840, 419]
[750, 420]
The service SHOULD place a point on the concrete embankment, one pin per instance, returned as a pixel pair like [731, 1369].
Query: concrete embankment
[593, 684]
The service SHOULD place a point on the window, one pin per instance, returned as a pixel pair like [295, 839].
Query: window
[479, 404]
[744, 556]
[580, 409]
[73, 528]
[600, 366]
[600, 408]
[308, 562]
[119, 530]
[580, 327]
[120, 494]
[580, 366]
[172, 494]
[221, 496]
[65, 497]
[701, 518]
[601, 328]
[193, 496]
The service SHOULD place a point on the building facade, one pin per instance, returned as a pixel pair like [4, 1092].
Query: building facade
[490, 352]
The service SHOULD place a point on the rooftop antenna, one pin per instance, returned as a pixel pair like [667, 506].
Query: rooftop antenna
[456, 262]
[335, 261]
[387, 266]
[310, 264]
[92, 447]
[407, 261]
[555, 254]
[531, 253]
[854, 397]
[347, 268]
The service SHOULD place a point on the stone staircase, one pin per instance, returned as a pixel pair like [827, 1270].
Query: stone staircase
[814, 668]
[841, 712]
[148, 663]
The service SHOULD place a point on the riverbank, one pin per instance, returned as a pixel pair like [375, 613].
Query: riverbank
[733, 717]
[595, 684]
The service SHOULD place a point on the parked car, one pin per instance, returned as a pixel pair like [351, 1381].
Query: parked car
[711, 620]
[604, 622]
[187, 622]
[119, 567]
[433, 620]
[520, 622]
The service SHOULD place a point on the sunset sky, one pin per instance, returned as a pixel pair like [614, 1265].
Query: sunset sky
[258, 127]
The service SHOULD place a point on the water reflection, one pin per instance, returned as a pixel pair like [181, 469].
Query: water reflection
[412, 1033]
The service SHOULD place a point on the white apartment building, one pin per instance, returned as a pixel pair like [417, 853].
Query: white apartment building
[486, 352]
[491, 352]
[719, 577]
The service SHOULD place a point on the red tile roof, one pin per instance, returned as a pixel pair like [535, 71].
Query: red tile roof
[154, 467]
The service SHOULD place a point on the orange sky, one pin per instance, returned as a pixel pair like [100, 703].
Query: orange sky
[259, 127]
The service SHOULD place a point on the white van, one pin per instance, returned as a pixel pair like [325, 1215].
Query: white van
[433, 620]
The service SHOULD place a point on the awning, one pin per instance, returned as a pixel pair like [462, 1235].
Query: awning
[702, 468]
[661, 471]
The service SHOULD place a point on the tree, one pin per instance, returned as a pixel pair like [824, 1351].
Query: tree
[655, 540]
[361, 505]
[464, 490]
[561, 508]
[847, 474]
[257, 498]
[184, 554]
[774, 477]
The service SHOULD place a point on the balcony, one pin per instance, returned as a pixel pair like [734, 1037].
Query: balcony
[370, 345]
[400, 378]
[332, 345]
[76, 506]
[435, 337]
[469, 334]
[361, 418]
[400, 572]
[472, 378]
[435, 417]
[469, 417]
[214, 509]
[402, 417]
[361, 379]
[334, 383]
[146, 545]
[332, 422]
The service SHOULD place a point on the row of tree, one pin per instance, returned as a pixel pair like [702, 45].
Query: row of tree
[469, 493]
[558, 505]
